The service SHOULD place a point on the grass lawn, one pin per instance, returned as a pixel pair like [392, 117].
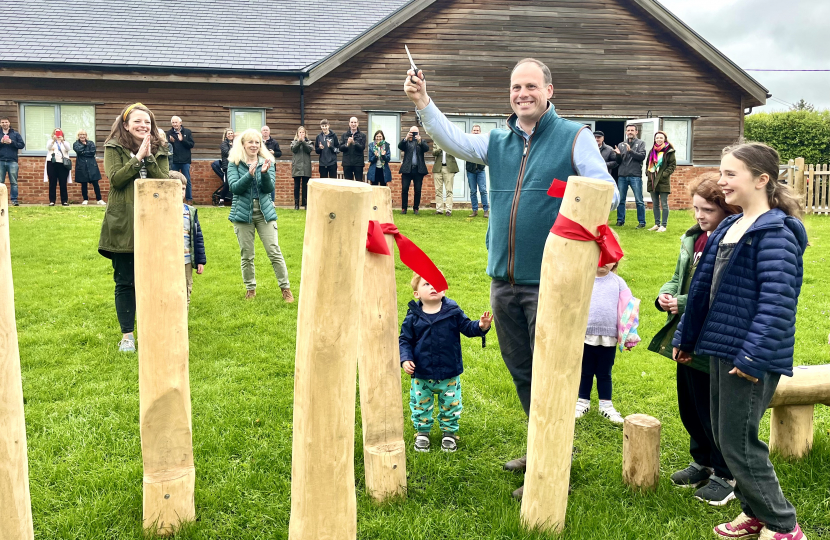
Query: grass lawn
[82, 397]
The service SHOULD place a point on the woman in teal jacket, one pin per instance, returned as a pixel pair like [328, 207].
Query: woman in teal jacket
[251, 177]
[693, 377]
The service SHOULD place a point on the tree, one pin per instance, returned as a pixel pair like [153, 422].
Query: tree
[802, 105]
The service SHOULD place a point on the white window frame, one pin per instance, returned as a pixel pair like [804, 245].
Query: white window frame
[57, 107]
[234, 110]
[393, 139]
[689, 137]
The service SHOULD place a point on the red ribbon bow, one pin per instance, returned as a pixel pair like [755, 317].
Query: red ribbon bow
[609, 249]
[411, 255]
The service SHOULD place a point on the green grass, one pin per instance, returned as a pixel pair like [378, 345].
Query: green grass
[82, 397]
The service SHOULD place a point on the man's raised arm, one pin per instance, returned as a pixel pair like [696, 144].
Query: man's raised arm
[443, 132]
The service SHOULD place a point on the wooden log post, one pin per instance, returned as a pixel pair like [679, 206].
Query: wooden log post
[798, 182]
[163, 379]
[791, 423]
[323, 503]
[641, 451]
[567, 279]
[15, 500]
[384, 454]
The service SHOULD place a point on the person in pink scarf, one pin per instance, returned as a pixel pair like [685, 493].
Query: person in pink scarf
[659, 168]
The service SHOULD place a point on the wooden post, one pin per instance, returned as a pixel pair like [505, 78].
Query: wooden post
[811, 182]
[384, 454]
[15, 501]
[567, 279]
[791, 424]
[641, 451]
[798, 183]
[791, 430]
[163, 379]
[323, 503]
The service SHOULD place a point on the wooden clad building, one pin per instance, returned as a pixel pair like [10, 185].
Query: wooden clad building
[613, 62]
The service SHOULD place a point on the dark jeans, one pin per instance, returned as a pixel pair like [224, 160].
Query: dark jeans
[300, 181]
[514, 310]
[184, 168]
[663, 199]
[737, 408]
[596, 361]
[353, 173]
[57, 174]
[216, 166]
[636, 183]
[85, 190]
[417, 180]
[123, 265]
[328, 172]
[693, 403]
[11, 168]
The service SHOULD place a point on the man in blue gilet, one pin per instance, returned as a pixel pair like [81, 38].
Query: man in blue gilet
[524, 159]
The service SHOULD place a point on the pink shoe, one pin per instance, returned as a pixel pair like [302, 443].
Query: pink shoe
[742, 526]
[796, 534]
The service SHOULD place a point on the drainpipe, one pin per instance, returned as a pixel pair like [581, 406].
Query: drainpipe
[302, 102]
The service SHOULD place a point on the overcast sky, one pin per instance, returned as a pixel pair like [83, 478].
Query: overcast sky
[768, 34]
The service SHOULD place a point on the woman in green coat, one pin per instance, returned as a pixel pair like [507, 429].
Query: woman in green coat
[300, 165]
[693, 376]
[134, 149]
[251, 180]
[661, 164]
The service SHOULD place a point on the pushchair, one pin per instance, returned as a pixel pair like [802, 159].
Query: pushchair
[223, 193]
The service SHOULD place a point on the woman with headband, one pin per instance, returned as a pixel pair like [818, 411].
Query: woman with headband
[134, 149]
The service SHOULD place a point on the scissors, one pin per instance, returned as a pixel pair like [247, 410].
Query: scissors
[412, 63]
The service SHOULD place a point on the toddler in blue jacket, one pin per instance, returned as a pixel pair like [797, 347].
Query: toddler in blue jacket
[430, 344]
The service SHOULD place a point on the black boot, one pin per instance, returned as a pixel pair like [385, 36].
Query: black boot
[296, 204]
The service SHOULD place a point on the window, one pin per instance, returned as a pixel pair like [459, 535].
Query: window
[37, 121]
[242, 119]
[679, 131]
[390, 124]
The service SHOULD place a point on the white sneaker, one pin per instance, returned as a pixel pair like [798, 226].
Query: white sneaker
[102, 203]
[611, 413]
[654, 228]
[85, 203]
[582, 407]
[661, 229]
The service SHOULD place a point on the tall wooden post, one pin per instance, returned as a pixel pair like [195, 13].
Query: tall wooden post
[568, 271]
[15, 501]
[163, 380]
[384, 454]
[323, 503]
[798, 181]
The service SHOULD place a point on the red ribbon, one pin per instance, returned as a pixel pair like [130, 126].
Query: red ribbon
[411, 255]
[609, 249]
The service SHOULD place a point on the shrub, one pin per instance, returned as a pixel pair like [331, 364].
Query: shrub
[794, 134]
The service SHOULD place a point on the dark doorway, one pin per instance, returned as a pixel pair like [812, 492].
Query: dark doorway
[614, 134]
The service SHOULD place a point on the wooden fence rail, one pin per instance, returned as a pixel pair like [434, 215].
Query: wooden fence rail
[817, 199]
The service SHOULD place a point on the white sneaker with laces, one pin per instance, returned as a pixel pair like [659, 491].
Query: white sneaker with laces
[661, 229]
[102, 203]
[85, 203]
[611, 413]
[582, 407]
[654, 228]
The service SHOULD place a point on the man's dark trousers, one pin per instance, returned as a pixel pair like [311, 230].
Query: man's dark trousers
[514, 312]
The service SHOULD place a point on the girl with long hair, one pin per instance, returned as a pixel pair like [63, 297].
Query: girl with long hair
[708, 468]
[740, 312]
[251, 177]
[134, 149]
[659, 168]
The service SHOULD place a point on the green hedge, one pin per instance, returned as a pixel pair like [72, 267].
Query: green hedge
[794, 134]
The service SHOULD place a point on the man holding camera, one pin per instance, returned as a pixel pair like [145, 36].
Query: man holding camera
[351, 146]
[413, 167]
[181, 141]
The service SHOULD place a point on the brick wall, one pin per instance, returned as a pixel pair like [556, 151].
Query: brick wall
[33, 190]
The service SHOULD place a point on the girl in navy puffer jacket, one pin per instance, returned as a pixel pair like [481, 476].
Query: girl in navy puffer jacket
[741, 312]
